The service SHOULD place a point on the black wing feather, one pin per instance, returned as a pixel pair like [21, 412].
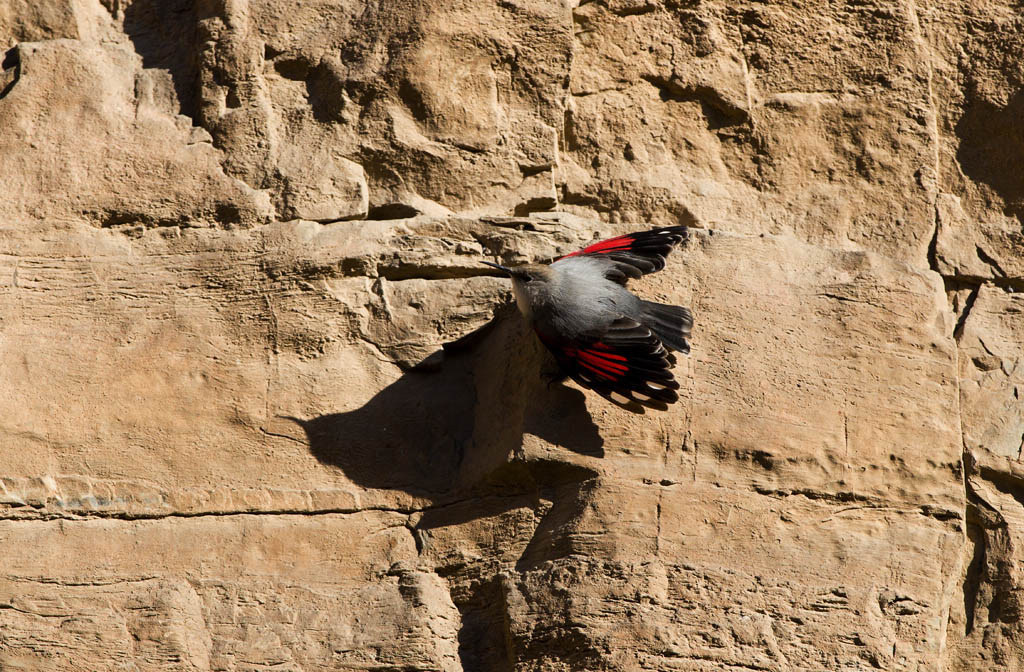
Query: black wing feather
[627, 365]
[635, 254]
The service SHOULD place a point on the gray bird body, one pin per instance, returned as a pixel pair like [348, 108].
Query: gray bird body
[602, 335]
[575, 300]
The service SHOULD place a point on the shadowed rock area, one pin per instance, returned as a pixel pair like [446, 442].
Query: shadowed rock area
[261, 407]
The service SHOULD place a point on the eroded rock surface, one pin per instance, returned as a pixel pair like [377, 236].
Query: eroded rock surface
[262, 408]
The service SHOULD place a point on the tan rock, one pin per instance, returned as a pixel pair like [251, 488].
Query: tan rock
[24, 21]
[118, 604]
[90, 139]
[322, 188]
[743, 119]
[240, 428]
[992, 373]
[965, 250]
[787, 422]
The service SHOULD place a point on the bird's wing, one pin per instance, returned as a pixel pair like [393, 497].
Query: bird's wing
[634, 254]
[627, 365]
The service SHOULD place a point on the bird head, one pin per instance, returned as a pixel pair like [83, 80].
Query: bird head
[529, 283]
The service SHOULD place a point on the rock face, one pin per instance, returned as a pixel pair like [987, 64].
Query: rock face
[262, 408]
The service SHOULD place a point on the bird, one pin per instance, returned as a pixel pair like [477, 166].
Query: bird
[603, 336]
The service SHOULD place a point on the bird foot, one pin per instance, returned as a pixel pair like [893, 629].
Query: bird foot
[554, 378]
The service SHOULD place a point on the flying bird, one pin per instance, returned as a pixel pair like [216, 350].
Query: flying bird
[603, 336]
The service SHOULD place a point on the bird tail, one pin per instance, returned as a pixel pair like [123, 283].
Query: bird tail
[671, 324]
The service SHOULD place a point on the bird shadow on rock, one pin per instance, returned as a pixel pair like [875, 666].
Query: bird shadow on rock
[459, 427]
[455, 436]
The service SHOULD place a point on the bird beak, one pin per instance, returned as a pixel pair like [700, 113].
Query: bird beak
[505, 269]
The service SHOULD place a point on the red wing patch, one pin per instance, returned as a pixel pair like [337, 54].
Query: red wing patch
[629, 367]
[618, 244]
[598, 359]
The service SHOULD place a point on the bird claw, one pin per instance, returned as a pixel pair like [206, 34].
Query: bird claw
[554, 378]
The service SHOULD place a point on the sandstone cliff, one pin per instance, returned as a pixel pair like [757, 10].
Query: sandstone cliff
[261, 409]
